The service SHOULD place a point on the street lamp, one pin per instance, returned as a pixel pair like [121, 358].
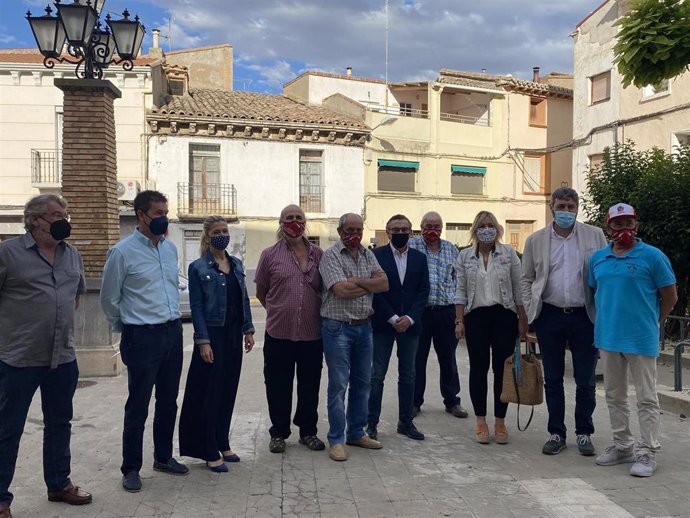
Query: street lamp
[90, 46]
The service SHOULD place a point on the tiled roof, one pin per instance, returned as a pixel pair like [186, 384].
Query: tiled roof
[250, 106]
[499, 83]
[33, 56]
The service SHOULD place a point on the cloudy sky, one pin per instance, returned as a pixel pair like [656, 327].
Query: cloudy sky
[275, 40]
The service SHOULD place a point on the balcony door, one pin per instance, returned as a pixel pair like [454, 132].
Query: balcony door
[311, 180]
[204, 179]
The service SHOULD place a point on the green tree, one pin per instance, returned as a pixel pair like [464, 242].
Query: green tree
[653, 42]
[657, 184]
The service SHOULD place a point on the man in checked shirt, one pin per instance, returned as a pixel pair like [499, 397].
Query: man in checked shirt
[288, 285]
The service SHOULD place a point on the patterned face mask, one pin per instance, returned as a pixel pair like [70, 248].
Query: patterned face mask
[624, 237]
[486, 234]
[220, 242]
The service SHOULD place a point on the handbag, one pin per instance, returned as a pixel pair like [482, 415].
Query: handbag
[523, 381]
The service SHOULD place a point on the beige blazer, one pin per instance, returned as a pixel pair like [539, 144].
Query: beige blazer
[536, 259]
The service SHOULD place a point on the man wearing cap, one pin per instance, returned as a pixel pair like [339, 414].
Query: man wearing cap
[560, 305]
[634, 282]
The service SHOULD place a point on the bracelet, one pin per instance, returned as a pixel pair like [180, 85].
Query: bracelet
[458, 322]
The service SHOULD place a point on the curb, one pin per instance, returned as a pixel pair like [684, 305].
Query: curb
[674, 402]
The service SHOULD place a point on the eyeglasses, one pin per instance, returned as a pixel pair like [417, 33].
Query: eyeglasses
[55, 216]
[399, 230]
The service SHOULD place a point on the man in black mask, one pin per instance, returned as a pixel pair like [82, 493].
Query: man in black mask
[140, 297]
[397, 318]
[41, 278]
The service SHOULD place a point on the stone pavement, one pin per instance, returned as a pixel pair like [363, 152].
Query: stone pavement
[448, 474]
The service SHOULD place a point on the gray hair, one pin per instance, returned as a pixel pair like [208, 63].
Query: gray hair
[565, 193]
[36, 206]
[430, 214]
[344, 217]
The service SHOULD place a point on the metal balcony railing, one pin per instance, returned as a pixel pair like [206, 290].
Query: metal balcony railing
[206, 200]
[46, 167]
[311, 198]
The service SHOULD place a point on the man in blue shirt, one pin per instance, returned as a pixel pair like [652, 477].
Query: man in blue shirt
[140, 297]
[635, 292]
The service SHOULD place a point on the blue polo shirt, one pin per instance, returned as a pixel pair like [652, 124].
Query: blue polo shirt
[627, 298]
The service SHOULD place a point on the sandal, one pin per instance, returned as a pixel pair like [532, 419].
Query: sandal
[312, 442]
[501, 434]
[481, 433]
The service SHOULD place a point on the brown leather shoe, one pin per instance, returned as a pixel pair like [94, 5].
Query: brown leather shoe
[365, 442]
[5, 511]
[71, 495]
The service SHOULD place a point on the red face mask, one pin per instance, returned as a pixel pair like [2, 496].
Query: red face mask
[431, 235]
[351, 240]
[624, 237]
[293, 228]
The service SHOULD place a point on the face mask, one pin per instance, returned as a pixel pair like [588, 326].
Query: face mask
[624, 237]
[399, 240]
[351, 240]
[158, 226]
[431, 235]
[220, 242]
[60, 229]
[293, 228]
[486, 234]
[564, 219]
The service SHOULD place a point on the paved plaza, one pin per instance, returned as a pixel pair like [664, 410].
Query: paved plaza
[448, 474]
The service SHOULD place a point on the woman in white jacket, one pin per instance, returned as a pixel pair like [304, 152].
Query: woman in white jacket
[489, 315]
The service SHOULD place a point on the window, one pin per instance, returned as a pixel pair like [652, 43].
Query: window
[406, 109]
[596, 160]
[467, 179]
[204, 179]
[176, 86]
[536, 174]
[314, 240]
[396, 175]
[600, 87]
[679, 139]
[458, 233]
[537, 112]
[310, 180]
[651, 91]
[517, 232]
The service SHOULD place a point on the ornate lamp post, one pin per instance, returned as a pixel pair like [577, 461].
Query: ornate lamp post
[89, 45]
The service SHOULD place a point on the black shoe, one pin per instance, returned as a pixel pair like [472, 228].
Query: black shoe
[312, 442]
[171, 467]
[410, 430]
[554, 446]
[585, 445]
[371, 431]
[457, 411]
[132, 482]
[277, 445]
[416, 410]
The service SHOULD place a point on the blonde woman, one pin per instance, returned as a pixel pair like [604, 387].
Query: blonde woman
[222, 322]
[489, 316]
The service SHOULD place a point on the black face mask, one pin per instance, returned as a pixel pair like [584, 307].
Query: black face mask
[157, 226]
[399, 240]
[59, 229]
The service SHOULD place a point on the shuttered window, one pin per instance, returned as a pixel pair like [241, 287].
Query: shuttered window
[397, 176]
[601, 87]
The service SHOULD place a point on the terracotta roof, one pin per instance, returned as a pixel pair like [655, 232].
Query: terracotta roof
[500, 83]
[33, 56]
[335, 76]
[250, 106]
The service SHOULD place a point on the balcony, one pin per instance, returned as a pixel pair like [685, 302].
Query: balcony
[311, 198]
[201, 201]
[46, 168]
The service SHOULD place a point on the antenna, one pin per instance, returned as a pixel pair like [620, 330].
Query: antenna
[386, 67]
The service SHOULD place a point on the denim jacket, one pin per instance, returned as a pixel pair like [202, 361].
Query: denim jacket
[507, 266]
[208, 296]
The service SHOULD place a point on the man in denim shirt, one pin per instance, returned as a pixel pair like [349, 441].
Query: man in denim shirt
[140, 297]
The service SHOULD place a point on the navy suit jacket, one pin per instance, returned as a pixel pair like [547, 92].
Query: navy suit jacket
[409, 298]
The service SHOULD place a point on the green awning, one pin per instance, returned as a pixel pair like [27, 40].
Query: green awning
[467, 169]
[399, 164]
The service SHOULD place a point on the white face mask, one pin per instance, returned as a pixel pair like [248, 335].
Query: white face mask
[487, 234]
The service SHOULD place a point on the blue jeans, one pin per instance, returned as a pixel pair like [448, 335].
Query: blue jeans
[348, 350]
[153, 356]
[17, 389]
[554, 330]
[406, 350]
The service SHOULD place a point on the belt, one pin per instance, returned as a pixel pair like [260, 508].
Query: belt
[169, 323]
[440, 308]
[356, 321]
[566, 310]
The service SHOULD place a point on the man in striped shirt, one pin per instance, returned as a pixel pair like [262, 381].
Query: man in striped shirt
[288, 285]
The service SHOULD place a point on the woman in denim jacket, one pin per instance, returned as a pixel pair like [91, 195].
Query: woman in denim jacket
[221, 317]
[489, 314]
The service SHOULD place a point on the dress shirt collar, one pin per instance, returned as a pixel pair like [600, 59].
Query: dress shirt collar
[398, 252]
[145, 240]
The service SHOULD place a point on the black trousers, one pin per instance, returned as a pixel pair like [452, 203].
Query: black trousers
[281, 358]
[490, 334]
[438, 324]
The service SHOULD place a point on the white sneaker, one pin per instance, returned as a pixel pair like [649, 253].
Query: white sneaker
[613, 456]
[644, 466]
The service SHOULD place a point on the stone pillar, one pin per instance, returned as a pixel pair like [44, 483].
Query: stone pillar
[89, 184]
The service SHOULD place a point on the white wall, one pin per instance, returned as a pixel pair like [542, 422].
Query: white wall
[361, 91]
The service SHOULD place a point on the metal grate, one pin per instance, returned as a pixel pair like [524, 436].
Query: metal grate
[46, 166]
[206, 200]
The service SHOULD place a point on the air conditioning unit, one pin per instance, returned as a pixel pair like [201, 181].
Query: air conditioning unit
[127, 191]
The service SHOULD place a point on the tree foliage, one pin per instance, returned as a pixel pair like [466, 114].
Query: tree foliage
[658, 186]
[653, 42]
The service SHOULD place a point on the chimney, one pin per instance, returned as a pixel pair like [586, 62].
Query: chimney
[348, 71]
[535, 74]
[156, 35]
[483, 70]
